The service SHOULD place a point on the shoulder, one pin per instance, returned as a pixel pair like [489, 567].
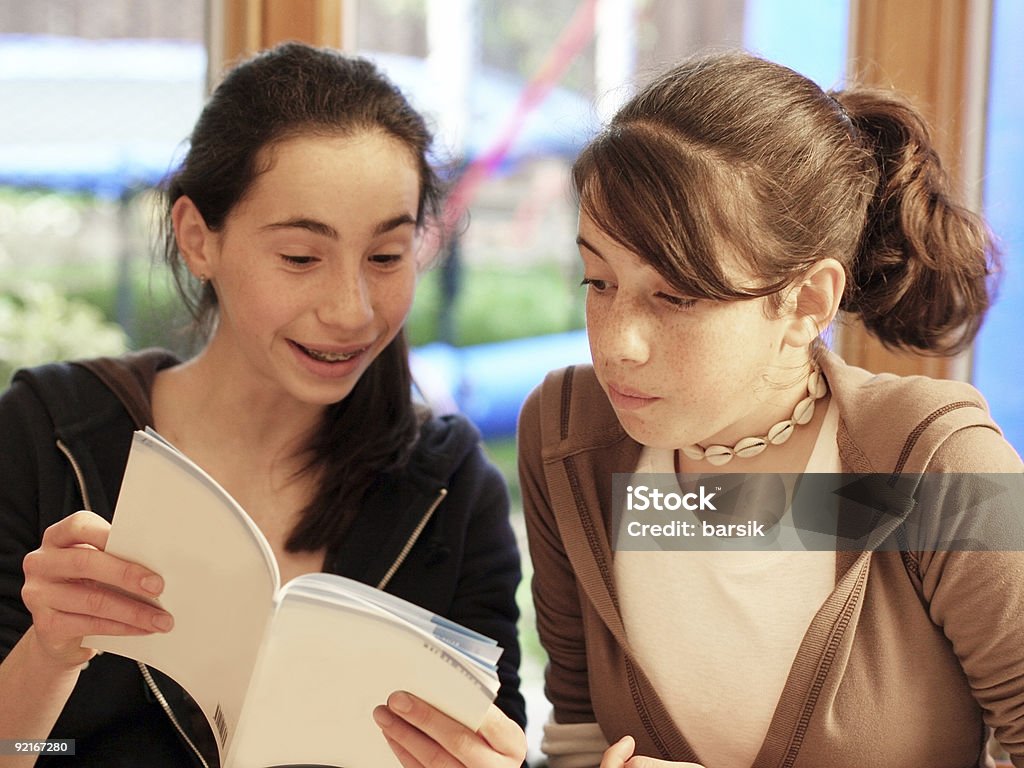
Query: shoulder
[565, 387]
[64, 414]
[139, 367]
[449, 458]
[442, 443]
[569, 412]
[903, 423]
[61, 395]
[84, 390]
[448, 450]
[130, 377]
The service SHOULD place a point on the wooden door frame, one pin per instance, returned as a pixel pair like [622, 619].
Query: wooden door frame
[240, 28]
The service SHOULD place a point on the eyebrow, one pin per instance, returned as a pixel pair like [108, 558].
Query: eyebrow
[589, 247]
[326, 230]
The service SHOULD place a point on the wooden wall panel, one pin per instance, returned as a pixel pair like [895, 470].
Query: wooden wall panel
[239, 28]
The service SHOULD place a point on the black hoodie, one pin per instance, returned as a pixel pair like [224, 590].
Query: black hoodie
[65, 432]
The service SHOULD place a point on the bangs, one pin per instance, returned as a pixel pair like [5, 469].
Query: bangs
[673, 204]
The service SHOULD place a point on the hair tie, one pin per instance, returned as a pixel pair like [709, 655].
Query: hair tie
[843, 114]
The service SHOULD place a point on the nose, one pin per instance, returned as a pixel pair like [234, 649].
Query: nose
[345, 300]
[623, 336]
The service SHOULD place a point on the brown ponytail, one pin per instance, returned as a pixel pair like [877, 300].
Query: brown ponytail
[920, 278]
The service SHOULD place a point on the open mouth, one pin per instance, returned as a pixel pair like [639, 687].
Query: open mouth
[331, 357]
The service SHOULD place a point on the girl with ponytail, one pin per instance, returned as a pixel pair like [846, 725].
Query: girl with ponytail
[728, 213]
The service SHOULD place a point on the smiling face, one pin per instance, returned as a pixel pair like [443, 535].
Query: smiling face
[677, 370]
[315, 268]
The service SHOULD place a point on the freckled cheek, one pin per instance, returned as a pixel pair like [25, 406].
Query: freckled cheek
[396, 300]
[602, 325]
[595, 336]
[248, 296]
[693, 365]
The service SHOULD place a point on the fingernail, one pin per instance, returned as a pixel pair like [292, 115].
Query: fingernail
[153, 584]
[400, 702]
[163, 622]
[383, 717]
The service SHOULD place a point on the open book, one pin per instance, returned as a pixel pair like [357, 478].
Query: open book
[285, 674]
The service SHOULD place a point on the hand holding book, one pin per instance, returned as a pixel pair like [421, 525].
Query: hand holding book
[285, 674]
[419, 734]
[73, 588]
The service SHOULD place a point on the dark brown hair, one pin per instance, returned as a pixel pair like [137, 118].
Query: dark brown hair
[297, 90]
[729, 155]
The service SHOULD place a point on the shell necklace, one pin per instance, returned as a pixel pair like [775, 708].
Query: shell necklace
[779, 433]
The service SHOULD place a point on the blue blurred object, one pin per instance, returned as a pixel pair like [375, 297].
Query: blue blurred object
[97, 116]
[110, 116]
[809, 37]
[489, 382]
[998, 370]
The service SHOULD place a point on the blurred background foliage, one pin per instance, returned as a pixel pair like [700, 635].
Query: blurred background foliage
[40, 323]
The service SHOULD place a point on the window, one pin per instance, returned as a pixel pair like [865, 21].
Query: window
[998, 362]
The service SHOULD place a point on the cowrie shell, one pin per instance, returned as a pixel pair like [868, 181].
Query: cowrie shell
[816, 385]
[780, 433]
[804, 411]
[718, 455]
[694, 452]
[749, 447]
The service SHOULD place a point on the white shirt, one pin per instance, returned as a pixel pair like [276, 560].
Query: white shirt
[719, 645]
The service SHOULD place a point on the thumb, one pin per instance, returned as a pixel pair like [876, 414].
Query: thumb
[618, 753]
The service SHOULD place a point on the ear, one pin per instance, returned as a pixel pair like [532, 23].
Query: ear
[813, 302]
[194, 238]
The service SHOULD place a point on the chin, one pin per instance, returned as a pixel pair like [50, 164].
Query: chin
[645, 435]
[321, 396]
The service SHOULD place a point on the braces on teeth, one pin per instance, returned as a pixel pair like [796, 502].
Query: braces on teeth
[330, 357]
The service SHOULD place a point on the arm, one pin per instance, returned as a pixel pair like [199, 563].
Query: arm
[49, 595]
[33, 691]
[489, 576]
[572, 745]
[977, 597]
[555, 591]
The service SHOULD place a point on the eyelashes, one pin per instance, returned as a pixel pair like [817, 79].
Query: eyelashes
[381, 259]
[297, 261]
[597, 285]
[676, 302]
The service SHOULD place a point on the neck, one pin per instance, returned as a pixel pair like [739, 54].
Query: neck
[207, 403]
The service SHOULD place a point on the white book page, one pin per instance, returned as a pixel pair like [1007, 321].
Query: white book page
[324, 668]
[480, 648]
[219, 573]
